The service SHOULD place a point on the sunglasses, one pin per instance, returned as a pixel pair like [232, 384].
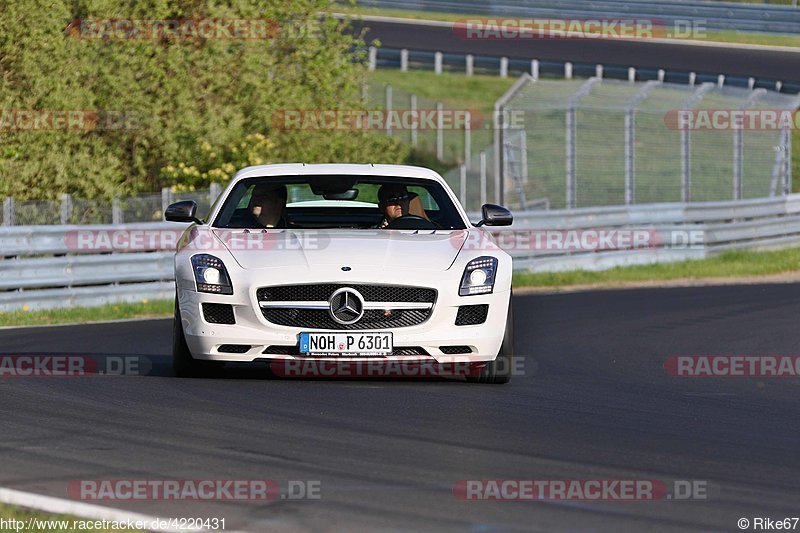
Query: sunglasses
[397, 200]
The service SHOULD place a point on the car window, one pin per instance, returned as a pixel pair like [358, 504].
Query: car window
[338, 202]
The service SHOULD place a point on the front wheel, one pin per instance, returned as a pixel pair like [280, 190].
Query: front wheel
[499, 370]
[183, 364]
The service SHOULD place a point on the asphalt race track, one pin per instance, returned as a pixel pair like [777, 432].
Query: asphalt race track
[764, 63]
[595, 403]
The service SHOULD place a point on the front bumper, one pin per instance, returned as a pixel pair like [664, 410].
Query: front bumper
[205, 339]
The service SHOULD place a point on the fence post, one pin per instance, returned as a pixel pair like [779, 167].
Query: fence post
[787, 188]
[388, 109]
[631, 74]
[738, 156]
[483, 177]
[66, 208]
[467, 139]
[404, 60]
[437, 62]
[686, 165]
[373, 58]
[439, 131]
[166, 199]
[116, 211]
[214, 190]
[8, 211]
[598, 71]
[629, 155]
[568, 70]
[570, 149]
[470, 65]
[415, 122]
[523, 159]
[462, 193]
[535, 69]
[503, 67]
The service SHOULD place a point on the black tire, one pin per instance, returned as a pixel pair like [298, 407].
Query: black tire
[499, 371]
[183, 364]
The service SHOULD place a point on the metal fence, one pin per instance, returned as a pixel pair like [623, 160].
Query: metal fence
[581, 143]
[43, 268]
[147, 207]
[711, 14]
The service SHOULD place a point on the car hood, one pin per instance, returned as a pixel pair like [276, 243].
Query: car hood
[376, 248]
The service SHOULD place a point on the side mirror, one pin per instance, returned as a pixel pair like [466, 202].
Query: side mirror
[182, 212]
[495, 215]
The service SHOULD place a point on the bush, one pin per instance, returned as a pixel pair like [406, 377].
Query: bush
[196, 110]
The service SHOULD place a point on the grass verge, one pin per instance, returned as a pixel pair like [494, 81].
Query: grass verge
[37, 522]
[729, 265]
[713, 36]
[144, 309]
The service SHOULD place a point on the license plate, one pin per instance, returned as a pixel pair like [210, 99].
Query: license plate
[346, 343]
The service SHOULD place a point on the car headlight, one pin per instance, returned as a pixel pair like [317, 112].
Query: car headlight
[478, 276]
[210, 275]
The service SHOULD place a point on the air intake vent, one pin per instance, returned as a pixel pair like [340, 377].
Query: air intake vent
[234, 348]
[469, 315]
[218, 313]
[451, 350]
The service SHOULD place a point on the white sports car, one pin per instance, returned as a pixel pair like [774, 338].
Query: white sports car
[341, 263]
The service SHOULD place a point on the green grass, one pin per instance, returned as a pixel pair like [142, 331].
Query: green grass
[458, 91]
[144, 309]
[10, 512]
[729, 265]
[714, 36]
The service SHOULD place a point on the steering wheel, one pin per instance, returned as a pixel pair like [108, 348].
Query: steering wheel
[411, 222]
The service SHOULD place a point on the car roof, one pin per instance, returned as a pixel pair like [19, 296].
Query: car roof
[302, 169]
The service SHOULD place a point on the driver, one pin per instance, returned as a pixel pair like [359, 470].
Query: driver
[267, 207]
[395, 201]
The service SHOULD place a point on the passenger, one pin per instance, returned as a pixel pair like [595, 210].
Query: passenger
[267, 207]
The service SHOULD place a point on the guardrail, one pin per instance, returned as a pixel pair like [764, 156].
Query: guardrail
[42, 267]
[713, 15]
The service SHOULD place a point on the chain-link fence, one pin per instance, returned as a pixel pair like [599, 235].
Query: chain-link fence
[451, 134]
[581, 143]
[69, 210]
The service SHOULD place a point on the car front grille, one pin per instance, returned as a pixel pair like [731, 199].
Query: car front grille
[323, 292]
[308, 306]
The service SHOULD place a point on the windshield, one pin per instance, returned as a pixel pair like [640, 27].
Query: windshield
[350, 202]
